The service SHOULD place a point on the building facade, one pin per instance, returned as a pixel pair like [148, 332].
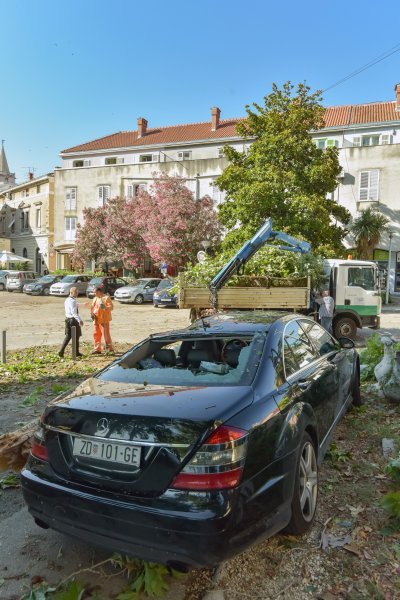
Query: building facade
[27, 221]
[123, 163]
[367, 138]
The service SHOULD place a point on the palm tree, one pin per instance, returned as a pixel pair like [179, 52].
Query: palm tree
[367, 230]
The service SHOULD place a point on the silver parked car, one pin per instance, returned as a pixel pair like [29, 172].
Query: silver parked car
[63, 287]
[137, 293]
[17, 279]
[3, 278]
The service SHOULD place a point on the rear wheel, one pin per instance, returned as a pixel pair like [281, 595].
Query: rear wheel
[155, 305]
[345, 327]
[46, 292]
[138, 299]
[1, 287]
[305, 494]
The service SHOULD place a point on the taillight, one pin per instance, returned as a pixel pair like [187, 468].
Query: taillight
[39, 449]
[218, 464]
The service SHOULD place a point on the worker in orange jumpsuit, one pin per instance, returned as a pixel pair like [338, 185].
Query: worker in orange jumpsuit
[101, 315]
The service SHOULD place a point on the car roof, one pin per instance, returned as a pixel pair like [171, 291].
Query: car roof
[232, 322]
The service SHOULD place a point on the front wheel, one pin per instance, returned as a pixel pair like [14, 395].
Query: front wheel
[345, 327]
[138, 299]
[305, 494]
[46, 292]
[1, 287]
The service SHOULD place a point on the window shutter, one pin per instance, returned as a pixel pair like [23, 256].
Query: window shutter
[180, 154]
[155, 157]
[86, 163]
[356, 141]
[129, 191]
[120, 161]
[106, 193]
[100, 197]
[364, 184]
[374, 185]
[386, 139]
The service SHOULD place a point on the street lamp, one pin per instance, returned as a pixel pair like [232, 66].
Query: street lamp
[388, 267]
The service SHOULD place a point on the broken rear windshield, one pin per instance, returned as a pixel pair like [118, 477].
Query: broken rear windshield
[190, 361]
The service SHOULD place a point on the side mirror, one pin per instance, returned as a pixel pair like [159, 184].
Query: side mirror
[346, 343]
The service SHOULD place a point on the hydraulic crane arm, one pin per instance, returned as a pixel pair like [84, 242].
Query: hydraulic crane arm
[263, 235]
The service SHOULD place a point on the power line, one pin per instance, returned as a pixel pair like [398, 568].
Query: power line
[368, 65]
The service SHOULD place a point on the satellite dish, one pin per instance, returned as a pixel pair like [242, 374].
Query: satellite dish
[201, 256]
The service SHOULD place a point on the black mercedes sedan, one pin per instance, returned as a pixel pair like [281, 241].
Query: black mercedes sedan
[196, 443]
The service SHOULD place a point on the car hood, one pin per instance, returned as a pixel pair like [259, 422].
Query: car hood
[130, 288]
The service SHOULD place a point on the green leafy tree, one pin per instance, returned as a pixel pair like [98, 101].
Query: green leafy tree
[367, 230]
[283, 175]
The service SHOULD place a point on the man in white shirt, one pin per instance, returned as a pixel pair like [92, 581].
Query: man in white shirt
[326, 310]
[72, 319]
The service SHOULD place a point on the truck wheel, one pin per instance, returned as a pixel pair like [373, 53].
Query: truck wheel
[345, 327]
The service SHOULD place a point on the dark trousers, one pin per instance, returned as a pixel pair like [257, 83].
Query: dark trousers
[69, 323]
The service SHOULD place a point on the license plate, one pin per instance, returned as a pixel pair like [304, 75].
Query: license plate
[123, 454]
[167, 299]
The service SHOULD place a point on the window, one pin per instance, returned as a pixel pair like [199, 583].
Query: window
[369, 186]
[70, 228]
[322, 340]
[38, 189]
[25, 255]
[103, 194]
[332, 143]
[357, 141]
[143, 158]
[70, 198]
[363, 277]
[38, 217]
[298, 351]
[133, 189]
[184, 155]
[81, 163]
[321, 143]
[386, 139]
[221, 153]
[12, 224]
[113, 160]
[2, 224]
[24, 220]
[370, 140]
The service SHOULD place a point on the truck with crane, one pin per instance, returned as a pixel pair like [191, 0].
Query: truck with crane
[353, 284]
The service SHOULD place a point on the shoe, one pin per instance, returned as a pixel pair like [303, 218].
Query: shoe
[61, 354]
[79, 354]
[96, 352]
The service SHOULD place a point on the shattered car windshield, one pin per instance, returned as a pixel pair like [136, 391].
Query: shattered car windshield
[195, 360]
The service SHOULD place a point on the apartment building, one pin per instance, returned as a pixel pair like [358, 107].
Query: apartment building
[367, 137]
[125, 162]
[27, 221]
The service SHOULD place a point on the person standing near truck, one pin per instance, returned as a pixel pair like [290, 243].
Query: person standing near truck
[326, 310]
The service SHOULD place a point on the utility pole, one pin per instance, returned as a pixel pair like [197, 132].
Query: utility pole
[388, 267]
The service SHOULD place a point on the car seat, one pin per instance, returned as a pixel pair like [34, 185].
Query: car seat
[166, 357]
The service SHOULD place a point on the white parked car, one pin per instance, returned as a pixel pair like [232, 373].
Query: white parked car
[137, 293]
[3, 278]
[63, 287]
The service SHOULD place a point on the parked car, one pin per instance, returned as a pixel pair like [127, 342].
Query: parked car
[197, 442]
[162, 297]
[63, 287]
[3, 278]
[107, 284]
[17, 279]
[140, 291]
[41, 286]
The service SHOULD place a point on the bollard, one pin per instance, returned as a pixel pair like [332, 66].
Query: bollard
[3, 347]
[73, 338]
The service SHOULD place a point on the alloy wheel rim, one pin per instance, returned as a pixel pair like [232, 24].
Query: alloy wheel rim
[308, 482]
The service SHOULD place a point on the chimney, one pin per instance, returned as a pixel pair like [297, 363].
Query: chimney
[397, 90]
[142, 126]
[30, 175]
[215, 114]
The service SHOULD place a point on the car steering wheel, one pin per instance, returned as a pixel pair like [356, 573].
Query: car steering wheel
[233, 344]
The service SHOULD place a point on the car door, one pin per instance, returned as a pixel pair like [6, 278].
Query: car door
[327, 346]
[149, 290]
[312, 378]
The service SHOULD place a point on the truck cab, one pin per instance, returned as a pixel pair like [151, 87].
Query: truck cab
[355, 287]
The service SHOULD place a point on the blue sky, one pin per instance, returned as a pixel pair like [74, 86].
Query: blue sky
[76, 70]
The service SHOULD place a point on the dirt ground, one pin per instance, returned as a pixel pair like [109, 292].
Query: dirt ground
[366, 566]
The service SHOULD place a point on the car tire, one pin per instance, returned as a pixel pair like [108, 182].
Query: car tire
[138, 299]
[46, 292]
[345, 327]
[155, 305]
[305, 494]
[2, 287]
[356, 392]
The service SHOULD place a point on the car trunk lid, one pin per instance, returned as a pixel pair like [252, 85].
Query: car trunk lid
[134, 438]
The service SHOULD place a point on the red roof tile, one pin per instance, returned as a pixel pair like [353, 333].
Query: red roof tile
[335, 116]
